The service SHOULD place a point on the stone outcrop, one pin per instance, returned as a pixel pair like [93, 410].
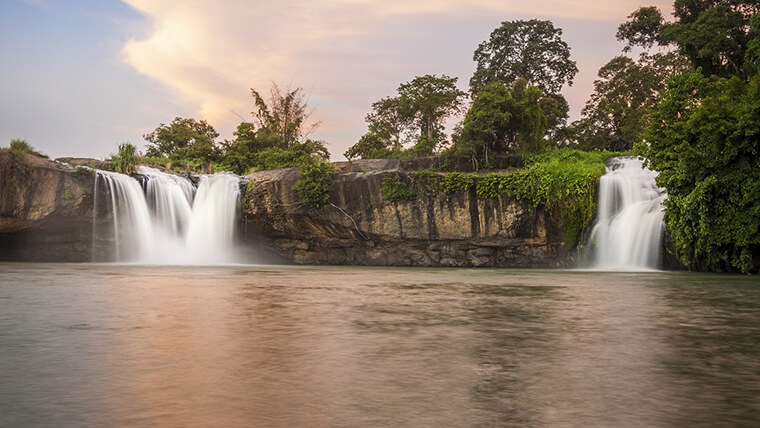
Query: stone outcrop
[46, 214]
[45, 209]
[359, 227]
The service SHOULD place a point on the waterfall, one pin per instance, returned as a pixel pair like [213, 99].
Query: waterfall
[628, 231]
[168, 221]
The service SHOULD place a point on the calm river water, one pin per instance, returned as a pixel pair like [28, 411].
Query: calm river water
[109, 345]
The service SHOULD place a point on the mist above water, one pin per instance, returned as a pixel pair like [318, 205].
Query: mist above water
[628, 231]
[167, 220]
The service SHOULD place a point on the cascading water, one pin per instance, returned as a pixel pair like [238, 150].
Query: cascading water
[629, 227]
[169, 221]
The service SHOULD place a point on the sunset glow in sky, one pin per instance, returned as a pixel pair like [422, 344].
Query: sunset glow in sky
[80, 76]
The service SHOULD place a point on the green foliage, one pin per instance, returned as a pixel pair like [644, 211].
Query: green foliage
[375, 144]
[67, 195]
[532, 50]
[642, 29]
[394, 189]
[626, 92]
[183, 141]
[313, 188]
[282, 120]
[125, 160]
[416, 114]
[705, 142]
[22, 146]
[157, 161]
[563, 182]
[84, 174]
[713, 34]
[454, 182]
[502, 119]
[556, 111]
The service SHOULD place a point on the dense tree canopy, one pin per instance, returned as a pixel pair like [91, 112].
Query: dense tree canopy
[502, 119]
[187, 139]
[532, 50]
[284, 118]
[705, 141]
[712, 34]
[624, 94]
[416, 114]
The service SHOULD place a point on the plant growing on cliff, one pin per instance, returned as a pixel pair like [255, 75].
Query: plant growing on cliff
[562, 182]
[394, 189]
[22, 146]
[454, 182]
[314, 187]
[125, 160]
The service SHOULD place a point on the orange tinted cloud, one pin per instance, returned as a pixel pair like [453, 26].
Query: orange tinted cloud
[346, 53]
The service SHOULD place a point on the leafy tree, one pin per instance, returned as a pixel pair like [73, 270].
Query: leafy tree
[125, 160]
[277, 136]
[284, 117]
[392, 120]
[712, 34]
[502, 119]
[705, 142]
[183, 139]
[624, 94]
[429, 100]
[372, 145]
[642, 29]
[416, 114]
[556, 110]
[532, 50]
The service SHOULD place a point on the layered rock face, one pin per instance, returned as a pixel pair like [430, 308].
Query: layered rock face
[46, 214]
[359, 227]
[45, 209]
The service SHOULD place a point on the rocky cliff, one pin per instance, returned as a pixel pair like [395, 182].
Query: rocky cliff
[358, 226]
[46, 214]
[45, 209]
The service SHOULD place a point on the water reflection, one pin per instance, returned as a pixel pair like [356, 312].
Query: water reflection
[272, 346]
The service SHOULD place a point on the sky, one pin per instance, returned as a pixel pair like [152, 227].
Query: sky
[78, 77]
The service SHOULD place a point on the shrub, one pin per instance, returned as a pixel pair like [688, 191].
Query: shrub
[396, 190]
[125, 160]
[454, 182]
[313, 189]
[21, 146]
[563, 182]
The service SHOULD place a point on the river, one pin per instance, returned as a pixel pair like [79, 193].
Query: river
[122, 345]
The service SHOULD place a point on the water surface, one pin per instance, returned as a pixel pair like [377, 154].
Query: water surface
[106, 345]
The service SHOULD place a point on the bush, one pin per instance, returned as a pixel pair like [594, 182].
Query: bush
[315, 185]
[395, 190]
[21, 146]
[125, 161]
[563, 182]
[454, 182]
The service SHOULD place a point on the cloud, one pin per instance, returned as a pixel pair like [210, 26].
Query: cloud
[346, 53]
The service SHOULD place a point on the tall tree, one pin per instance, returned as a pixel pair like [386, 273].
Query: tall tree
[284, 116]
[502, 119]
[704, 139]
[416, 114]
[430, 99]
[184, 138]
[624, 94]
[713, 34]
[532, 50]
[556, 109]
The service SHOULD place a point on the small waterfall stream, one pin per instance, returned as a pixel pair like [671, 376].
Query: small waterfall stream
[628, 231]
[166, 220]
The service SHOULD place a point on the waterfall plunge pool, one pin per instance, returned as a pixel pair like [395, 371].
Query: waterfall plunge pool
[124, 345]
